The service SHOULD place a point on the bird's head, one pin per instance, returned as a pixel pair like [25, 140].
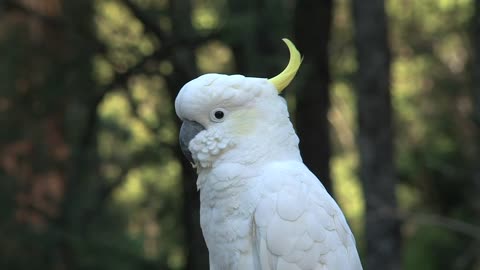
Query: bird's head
[221, 113]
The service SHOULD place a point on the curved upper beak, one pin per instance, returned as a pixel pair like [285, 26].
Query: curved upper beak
[188, 131]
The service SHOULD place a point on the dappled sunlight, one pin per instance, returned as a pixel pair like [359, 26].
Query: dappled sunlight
[408, 198]
[342, 117]
[102, 70]
[122, 33]
[207, 14]
[141, 181]
[215, 57]
[205, 18]
[408, 85]
[348, 190]
[453, 53]
[115, 106]
[147, 192]
[133, 191]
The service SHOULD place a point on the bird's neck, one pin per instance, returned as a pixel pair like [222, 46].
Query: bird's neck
[249, 156]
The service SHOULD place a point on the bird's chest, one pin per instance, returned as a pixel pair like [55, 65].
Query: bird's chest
[222, 228]
[226, 214]
[228, 236]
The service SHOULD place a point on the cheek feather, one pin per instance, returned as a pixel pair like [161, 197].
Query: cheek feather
[243, 122]
[207, 145]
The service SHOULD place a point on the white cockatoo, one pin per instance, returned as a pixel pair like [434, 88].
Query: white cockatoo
[261, 207]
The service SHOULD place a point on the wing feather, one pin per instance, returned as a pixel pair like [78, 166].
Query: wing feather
[300, 227]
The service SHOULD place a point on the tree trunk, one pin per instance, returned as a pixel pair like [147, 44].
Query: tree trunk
[476, 87]
[196, 249]
[313, 99]
[476, 64]
[256, 44]
[375, 134]
[184, 71]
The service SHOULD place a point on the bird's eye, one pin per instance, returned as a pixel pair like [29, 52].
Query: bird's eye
[217, 115]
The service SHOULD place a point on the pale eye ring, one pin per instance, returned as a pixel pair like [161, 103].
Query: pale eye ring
[218, 115]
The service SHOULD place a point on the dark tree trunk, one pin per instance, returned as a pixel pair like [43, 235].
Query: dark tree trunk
[197, 253]
[256, 44]
[196, 249]
[312, 25]
[476, 64]
[476, 87]
[184, 71]
[375, 134]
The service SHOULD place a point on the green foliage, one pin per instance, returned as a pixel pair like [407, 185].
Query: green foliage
[433, 248]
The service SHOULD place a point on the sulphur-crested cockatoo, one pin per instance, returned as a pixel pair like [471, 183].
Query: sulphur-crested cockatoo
[261, 208]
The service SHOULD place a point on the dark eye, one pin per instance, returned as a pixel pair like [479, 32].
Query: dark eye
[217, 115]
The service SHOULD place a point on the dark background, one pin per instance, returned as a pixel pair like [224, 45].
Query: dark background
[386, 104]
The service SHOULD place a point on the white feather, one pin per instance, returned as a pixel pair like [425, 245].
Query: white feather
[320, 238]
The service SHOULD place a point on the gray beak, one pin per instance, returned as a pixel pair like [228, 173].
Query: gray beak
[188, 131]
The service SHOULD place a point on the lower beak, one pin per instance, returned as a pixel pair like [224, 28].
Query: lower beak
[188, 131]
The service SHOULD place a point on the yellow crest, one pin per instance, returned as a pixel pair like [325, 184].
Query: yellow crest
[282, 80]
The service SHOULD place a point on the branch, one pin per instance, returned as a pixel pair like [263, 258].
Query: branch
[121, 78]
[134, 108]
[452, 224]
[106, 189]
[448, 223]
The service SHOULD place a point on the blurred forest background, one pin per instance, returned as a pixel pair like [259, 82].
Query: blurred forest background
[386, 104]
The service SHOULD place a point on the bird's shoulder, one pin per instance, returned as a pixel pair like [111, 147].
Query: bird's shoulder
[299, 225]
